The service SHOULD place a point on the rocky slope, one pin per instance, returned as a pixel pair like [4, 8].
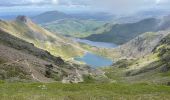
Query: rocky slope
[142, 45]
[151, 62]
[22, 61]
[23, 28]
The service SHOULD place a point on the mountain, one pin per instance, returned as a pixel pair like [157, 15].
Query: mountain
[23, 28]
[152, 13]
[98, 16]
[144, 59]
[49, 17]
[22, 61]
[74, 27]
[155, 67]
[122, 33]
[142, 44]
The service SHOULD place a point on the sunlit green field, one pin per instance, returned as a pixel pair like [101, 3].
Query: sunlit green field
[58, 91]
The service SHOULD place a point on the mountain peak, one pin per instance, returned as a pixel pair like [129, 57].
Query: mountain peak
[22, 18]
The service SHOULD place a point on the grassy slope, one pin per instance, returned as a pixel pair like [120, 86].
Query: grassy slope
[153, 68]
[92, 91]
[56, 45]
[57, 91]
[74, 27]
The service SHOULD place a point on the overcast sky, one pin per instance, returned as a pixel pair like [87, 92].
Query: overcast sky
[113, 6]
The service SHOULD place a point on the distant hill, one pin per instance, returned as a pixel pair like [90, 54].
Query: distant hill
[122, 33]
[23, 28]
[74, 27]
[50, 16]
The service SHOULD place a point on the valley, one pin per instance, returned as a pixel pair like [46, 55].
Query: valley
[74, 53]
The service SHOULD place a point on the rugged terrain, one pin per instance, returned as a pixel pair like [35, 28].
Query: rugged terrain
[148, 64]
[22, 61]
[23, 28]
[31, 54]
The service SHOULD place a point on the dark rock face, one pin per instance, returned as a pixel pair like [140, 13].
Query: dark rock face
[60, 61]
[49, 66]
[22, 19]
[165, 68]
[168, 83]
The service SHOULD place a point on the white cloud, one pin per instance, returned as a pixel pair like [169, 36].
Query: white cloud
[55, 1]
[116, 6]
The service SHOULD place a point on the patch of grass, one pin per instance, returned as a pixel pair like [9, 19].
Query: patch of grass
[8, 72]
[165, 74]
[115, 74]
[58, 91]
[2, 61]
[88, 79]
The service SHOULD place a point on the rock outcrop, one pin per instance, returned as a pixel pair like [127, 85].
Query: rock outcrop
[22, 61]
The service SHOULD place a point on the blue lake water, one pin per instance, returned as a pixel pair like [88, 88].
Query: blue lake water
[96, 44]
[94, 60]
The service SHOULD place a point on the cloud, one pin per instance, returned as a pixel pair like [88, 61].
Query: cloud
[120, 6]
[7, 3]
[115, 6]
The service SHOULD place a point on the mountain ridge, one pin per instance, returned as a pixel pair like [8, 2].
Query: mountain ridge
[122, 33]
[25, 29]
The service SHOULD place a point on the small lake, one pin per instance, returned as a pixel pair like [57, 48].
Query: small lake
[94, 60]
[96, 44]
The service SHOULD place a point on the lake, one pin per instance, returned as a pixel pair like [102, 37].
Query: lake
[94, 60]
[96, 44]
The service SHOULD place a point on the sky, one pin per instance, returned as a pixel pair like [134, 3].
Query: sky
[111, 6]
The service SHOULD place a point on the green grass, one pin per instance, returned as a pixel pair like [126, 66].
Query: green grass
[58, 91]
[166, 74]
[74, 27]
[2, 60]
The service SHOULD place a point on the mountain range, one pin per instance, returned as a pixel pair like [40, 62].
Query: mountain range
[51, 16]
[122, 33]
